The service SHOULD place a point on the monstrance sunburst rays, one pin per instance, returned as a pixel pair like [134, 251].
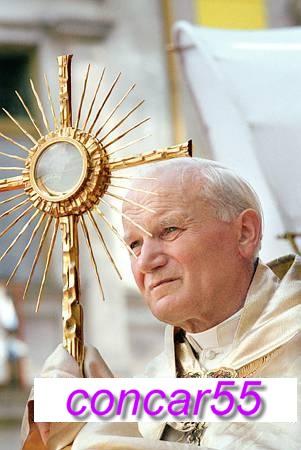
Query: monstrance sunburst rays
[67, 176]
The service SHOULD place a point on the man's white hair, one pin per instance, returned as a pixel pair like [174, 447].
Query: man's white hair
[227, 193]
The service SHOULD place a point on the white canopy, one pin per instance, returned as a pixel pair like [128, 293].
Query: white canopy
[247, 89]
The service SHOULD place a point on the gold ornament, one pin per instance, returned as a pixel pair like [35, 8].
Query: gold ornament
[61, 196]
[222, 372]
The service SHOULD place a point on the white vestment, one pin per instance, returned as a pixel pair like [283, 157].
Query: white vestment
[263, 340]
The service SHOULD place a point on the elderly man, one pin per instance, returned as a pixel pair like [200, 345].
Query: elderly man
[227, 313]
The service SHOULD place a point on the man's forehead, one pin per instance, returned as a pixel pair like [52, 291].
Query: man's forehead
[155, 220]
[174, 182]
[156, 201]
[170, 193]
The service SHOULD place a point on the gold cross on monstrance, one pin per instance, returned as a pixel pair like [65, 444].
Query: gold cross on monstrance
[67, 171]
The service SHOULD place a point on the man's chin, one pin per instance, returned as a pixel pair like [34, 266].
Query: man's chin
[163, 308]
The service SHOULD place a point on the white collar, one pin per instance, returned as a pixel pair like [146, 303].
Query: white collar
[219, 335]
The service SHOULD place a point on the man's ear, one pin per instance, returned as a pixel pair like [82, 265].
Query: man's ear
[249, 232]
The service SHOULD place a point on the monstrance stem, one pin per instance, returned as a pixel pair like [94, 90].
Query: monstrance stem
[65, 90]
[73, 339]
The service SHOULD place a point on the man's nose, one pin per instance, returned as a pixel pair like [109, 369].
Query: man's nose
[151, 256]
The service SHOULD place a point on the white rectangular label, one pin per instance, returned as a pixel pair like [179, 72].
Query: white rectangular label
[165, 399]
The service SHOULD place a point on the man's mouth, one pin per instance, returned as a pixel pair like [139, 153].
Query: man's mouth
[161, 282]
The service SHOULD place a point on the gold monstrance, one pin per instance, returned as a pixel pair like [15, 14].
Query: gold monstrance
[65, 175]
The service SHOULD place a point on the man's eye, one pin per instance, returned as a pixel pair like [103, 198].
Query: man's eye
[134, 244]
[170, 229]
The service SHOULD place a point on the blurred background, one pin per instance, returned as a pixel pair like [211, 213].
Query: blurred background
[210, 79]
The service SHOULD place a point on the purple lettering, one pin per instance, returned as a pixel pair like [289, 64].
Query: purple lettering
[97, 396]
[185, 401]
[147, 400]
[199, 398]
[251, 394]
[71, 399]
[123, 397]
[219, 393]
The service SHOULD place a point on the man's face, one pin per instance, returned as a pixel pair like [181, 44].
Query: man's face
[186, 268]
